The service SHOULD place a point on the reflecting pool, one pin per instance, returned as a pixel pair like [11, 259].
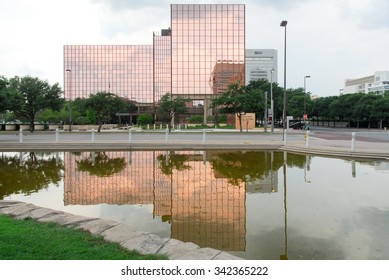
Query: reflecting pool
[253, 204]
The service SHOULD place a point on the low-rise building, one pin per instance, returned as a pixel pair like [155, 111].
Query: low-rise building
[379, 82]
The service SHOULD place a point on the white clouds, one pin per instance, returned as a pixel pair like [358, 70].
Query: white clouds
[329, 40]
[36, 31]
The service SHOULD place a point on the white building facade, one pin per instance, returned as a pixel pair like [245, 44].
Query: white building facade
[261, 64]
[379, 82]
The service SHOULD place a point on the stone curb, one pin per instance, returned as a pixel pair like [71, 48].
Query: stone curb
[120, 146]
[125, 235]
[340, 152]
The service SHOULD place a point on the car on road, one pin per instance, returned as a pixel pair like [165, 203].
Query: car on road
[299, 125]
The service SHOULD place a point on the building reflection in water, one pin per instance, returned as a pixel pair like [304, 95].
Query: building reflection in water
[201, 194]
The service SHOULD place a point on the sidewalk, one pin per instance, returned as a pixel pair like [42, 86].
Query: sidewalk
[296, 141]
[338, 148]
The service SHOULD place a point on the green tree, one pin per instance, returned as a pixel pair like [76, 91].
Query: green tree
[103, 103]
[145, 119]
[171, 107]
[363, 109]
[31, 95]
[239, 100]
[264, 86]
[380, 109]
[4, 95]
[195, 119]
[295, 102]
[321, 107]
[51, 116]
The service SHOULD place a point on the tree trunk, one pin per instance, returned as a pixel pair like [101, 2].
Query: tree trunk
[100, 122]
[240, 122]
[171, 121]
[31, 125]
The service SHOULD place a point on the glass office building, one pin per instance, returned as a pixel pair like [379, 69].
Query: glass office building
[208, 48]
[126, 70]
[162, 64]
[198, 56]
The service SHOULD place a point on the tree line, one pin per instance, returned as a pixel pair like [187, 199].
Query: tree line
[371, 110]
[30, 99]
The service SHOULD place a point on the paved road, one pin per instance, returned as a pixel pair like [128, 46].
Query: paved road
[368, 135]
[212, 135]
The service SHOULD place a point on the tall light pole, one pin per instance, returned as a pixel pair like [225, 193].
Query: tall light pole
[271, 100]
[283, 24]
[305, 95]
[266, 115]
[70, 101]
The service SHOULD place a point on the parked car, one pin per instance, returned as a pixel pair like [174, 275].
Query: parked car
[297, 125]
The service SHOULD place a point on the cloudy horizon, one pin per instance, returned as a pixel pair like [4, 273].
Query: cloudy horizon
[327, 40]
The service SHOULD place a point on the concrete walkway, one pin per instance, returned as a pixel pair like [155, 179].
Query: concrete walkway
[125, 235]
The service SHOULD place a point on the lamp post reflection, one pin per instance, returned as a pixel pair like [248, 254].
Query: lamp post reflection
[307, 167]
[70, 99]
[285, 255]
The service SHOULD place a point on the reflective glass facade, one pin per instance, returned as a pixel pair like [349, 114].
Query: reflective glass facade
[162, 63]
[194, 200]
[202, 52]
[208, 47]
[125, 70]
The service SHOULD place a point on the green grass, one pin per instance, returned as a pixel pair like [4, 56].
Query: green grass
[31, 240]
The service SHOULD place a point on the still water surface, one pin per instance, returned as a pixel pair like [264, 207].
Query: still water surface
[253, 204]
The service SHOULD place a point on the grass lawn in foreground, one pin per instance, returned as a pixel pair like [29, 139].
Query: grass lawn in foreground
[32, 240]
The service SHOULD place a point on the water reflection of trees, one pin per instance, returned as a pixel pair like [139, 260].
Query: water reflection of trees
[237, 166]
[28, 173]
[297, 160]
[100, 164]
[245, 166]
[171, 161]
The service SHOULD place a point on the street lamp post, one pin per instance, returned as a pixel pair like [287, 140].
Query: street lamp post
[271, 100]
[70, 101]
[305, 94]
[283, 24]
[266, 116]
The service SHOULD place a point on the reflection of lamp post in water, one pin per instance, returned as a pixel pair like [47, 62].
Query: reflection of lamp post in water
[285, 256]
[70, 100]
[307, 168]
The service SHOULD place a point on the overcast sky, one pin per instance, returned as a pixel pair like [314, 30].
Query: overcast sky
[330, 40]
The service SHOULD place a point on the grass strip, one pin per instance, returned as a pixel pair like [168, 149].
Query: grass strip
[32, 240]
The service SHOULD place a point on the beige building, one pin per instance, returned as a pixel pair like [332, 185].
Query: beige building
[379, 82]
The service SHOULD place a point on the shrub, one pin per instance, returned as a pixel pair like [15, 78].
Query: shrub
[82, 120]
[144, 119]
[195, 119]
[222, 118]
